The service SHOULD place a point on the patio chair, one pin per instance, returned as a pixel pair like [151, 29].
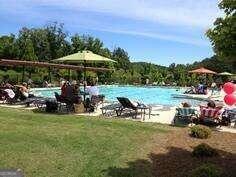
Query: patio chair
[63, 103]
[210, 115]
[3, 95]
[97, 99]
[187, 114]
[92, 104]
[126, 104]
[229, 117]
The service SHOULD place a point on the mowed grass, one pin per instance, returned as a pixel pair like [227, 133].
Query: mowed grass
[67, 145]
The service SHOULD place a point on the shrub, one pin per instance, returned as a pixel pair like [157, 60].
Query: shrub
[200, 131]
[206, 170]
[204, 150]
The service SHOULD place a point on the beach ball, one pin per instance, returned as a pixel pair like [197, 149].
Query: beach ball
[230, 99]
[229, 88]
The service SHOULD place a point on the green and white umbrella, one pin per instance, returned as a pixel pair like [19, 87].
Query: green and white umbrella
[225, 74]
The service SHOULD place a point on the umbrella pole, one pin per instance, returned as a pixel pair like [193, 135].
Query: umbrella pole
[68, 74]
[49, 75]
[23, 74]
[84, 77]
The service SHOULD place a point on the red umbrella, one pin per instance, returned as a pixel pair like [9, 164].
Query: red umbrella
[202, 71]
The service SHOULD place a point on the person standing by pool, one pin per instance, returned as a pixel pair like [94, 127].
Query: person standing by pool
[95, 98]
[213, 87]
[92, 89]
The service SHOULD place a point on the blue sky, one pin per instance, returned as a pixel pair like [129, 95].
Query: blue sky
[157, 31]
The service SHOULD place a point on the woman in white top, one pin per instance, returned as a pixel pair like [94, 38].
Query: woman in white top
[92, 90]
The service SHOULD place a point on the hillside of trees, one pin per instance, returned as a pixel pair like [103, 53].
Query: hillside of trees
[51, 42]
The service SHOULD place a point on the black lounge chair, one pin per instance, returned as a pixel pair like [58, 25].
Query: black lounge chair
[126, 104]
[19, 99]
[3, 95]
[110, 109]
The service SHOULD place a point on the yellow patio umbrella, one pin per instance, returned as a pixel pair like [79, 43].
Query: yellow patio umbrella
[83, 57]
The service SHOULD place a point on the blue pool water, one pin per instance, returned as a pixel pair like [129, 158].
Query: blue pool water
[148, 95]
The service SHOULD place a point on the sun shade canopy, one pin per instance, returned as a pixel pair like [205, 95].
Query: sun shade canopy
[83, 56]
[202, 71]
[225, 74]
[7, 62]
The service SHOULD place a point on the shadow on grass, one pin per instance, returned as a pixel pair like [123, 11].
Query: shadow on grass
[43, 111]
[176, 162]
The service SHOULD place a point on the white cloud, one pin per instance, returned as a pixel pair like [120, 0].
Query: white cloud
[193, 13]
[169, 37]
[177, 15]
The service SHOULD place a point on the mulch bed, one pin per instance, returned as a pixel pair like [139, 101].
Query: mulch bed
[172, 155]
[173, 158]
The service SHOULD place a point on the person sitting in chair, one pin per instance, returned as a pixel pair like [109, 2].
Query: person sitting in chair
[24, 91]
[8, 92]
[192, 90]
[186, 105]
[95, 98]
[75, 91]
[211, 104]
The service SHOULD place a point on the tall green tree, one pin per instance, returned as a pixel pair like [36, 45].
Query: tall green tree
[57, 38]
[122, 58]
[8, 47]
[77, 43]
[223, 34]
[86, 42]
[28, 51]
[41, 44]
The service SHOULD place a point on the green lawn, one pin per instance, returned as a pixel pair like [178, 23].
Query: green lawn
[65, 145]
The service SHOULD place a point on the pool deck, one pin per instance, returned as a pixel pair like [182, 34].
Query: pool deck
[159, 114]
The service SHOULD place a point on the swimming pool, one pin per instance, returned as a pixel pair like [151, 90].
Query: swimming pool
[147, 95]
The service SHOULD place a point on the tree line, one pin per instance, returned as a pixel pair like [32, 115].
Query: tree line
[52, 41]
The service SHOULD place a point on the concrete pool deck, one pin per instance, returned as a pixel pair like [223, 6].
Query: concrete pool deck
[160, 114]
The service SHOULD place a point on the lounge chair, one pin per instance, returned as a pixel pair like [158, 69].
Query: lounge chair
[110, 109]
[187, 114]
[210, 115]
[18, 99]
[126, 104]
